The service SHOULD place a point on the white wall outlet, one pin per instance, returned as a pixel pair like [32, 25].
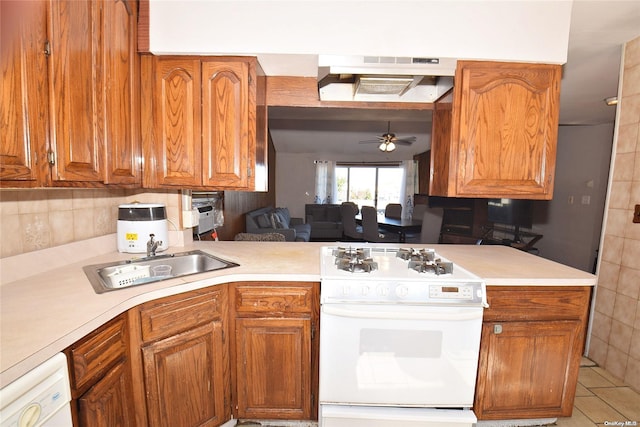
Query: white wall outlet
[586, 200]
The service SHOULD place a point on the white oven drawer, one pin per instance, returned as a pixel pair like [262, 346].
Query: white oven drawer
[364, 416]
[399, 356]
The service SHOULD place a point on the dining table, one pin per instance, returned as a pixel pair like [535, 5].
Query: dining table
[400, 226]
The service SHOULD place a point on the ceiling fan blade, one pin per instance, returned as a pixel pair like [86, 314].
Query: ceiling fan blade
[372, 141]
[408, 139]
[403, 142]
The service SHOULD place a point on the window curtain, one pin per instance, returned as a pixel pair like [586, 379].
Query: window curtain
[326, 186]
[409, 186]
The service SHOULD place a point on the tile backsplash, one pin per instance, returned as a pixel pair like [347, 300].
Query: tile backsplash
[35, 219]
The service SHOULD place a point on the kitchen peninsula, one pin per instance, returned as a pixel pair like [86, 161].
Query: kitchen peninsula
[48, 312]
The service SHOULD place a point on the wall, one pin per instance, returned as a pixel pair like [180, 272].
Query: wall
[571, 228]
[34, 219]
[615, 334]
[435, 28]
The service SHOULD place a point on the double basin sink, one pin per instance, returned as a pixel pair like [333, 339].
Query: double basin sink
[123, 274]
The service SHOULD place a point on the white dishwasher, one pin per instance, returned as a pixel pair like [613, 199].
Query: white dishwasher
[40, 398]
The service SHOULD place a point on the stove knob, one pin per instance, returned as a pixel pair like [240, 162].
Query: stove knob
[346, 290]
[402, 291]
[365, 290]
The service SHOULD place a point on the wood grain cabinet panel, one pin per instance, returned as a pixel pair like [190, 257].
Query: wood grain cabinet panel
[530, 350]
[108, 402]
[200, 115]
[275, 350]
[120, 89]
[182, 367]
[184, 378]
[101, 384]
[70, 110]
[74, 70]
[23, 110]
[503, 136]
[273, 368]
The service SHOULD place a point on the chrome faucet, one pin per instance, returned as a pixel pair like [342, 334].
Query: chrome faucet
[152, 245]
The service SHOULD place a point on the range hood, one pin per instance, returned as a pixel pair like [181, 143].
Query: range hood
[383, 79]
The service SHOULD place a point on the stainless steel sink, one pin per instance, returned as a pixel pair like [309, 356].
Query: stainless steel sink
[123, 274]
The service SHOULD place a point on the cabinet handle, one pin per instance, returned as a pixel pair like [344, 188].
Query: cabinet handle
[497, 329]
[51, 157]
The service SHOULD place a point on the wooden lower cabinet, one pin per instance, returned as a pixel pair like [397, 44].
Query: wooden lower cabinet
[184, 378]
[182, 368]
[532, 342]
[108, 402]
[100, 371]
[275, 350]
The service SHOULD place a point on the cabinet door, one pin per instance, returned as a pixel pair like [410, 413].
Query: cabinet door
[525, 369]
[173, 148]
[439, 174]
[273, 365]
[24, 97]
[505, 123]
[119, 92]
[108, 402]
[74, 69]
[225, 123]
[184, 378]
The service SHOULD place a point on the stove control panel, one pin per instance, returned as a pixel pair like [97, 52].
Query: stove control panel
[456, 293]
[464, 292]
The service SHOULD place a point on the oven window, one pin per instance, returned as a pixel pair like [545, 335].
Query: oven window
[401, 343]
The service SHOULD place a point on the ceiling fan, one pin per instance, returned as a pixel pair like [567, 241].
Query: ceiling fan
[388, 141]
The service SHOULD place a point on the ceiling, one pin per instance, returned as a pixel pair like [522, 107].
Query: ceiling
[597, 32]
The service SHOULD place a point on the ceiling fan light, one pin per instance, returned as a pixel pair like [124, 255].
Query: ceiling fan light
[383, 146]
[391, 146]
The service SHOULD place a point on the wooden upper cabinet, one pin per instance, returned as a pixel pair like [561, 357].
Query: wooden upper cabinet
[70, 99]
[503, 135]
[120, 88]
[23, 108]
[74, 71]
[200, 119]
[171, 116]
[225, 131]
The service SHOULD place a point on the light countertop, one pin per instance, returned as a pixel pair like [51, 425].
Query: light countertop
[45, 309]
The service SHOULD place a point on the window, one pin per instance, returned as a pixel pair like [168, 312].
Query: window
[369, 185]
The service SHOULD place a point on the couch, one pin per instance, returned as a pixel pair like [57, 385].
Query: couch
[325, 221]
[277, 220]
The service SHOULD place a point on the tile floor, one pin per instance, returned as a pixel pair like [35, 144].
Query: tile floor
[602, 400]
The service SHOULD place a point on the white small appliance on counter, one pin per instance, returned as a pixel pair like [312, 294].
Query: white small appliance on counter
[137, 222]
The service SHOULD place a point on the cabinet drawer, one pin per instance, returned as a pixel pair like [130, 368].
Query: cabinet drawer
[267, 298]
[168, 316]
[537, 303]
[97, 352]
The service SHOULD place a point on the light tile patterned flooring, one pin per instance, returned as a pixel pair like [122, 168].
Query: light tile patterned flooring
[602, 400]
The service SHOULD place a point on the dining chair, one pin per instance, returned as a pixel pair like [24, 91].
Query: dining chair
[350, 229]
[370, 230]
[393, 210]
[431, 225]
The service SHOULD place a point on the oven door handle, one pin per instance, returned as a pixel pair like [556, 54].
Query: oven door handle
[344, 310]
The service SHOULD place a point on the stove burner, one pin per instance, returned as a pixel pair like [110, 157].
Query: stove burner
[438, 267]
[355, 260]
[425, 261]
[410, 254]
